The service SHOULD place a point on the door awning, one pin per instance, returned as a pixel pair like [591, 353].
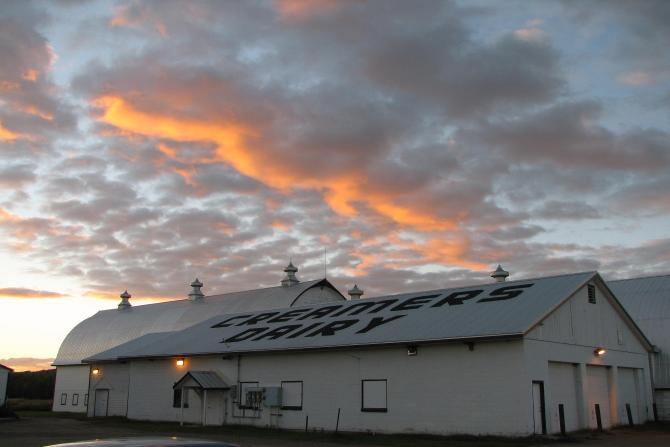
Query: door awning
[205, 380]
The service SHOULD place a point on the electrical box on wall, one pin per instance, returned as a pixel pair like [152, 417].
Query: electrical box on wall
[273, 396]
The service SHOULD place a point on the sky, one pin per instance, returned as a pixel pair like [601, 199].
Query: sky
[144, 143]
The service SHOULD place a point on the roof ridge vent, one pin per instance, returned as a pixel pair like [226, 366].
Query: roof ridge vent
[290, 279]
[125, 303]
[196, 294]
[499, 274]
[355, 293]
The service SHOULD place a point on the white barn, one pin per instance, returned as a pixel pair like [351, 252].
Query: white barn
[110, 328]
[647, 300]
[4, 379]
[516, 358]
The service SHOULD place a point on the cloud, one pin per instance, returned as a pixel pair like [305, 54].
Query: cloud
[20, 292]
[19, 364]
[635, 78]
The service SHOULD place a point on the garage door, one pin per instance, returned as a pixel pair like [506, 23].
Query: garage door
[563, 395]
[598, 397]
[629, 399]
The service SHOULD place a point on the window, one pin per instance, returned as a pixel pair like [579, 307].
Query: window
[63, 399]
[75, 399]
[86, 400]
[373, 395]
[291, 395]
[592, 293]
[177, 395]
[242, 398]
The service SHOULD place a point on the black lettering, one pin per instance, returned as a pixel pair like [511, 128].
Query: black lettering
[360, 307]
[225, 323]
[245, 335]
[382, 305]
[333, 327]
[320, 312]
[378, 321]
[278, 332]
[303, 330]
[505, 293]
[457, 298]
[257, 318]
[413, 303]
[287, 316]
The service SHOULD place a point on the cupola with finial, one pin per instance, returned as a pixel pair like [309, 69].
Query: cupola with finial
[125, 303]
[499, 274]
[290, 278]
[355, 293]
[196, 294]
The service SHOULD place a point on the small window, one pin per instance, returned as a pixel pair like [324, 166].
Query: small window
[177, 396]
[592, 293]
[86, 400]
[242, 398]
[75, 399]
[291, 395]
[63, 399]
[373, 395]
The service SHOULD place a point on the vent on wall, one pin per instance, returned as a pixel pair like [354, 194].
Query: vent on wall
[592, 293]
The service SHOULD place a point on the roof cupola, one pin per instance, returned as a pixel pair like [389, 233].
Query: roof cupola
[499, 274]
[290, 278]
[125, 303]
[355, 293]
[196, 294]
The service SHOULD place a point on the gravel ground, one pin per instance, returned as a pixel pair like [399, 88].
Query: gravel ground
[38, 430]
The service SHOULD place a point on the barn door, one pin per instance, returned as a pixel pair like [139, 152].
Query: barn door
[539, 420]
[101, 402]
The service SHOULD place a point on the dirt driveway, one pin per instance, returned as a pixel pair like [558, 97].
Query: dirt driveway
[40, 430]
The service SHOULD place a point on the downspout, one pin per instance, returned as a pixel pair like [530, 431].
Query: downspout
[88, 402]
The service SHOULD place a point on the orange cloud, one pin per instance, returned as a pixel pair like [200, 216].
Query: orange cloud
[31, 75]
[234, 143]
[136, 17]
[32, 110]
[7, 135]
[302, 9]
[19, 364]
[20, 292]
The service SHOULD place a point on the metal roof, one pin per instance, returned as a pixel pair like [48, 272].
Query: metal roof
[6, 367]
[507, 309]
[208, 380]
[110, 328]
[647, 300]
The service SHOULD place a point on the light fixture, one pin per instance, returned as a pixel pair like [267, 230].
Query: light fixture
[95, 371]
[600, 351]
[180, 362]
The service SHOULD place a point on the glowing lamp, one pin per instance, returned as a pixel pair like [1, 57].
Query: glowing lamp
[600, 351]
[180, 362]
[95, 371]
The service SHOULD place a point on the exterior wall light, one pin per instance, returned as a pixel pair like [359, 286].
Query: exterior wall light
[95, 371]
[600, 351]
[180, 362]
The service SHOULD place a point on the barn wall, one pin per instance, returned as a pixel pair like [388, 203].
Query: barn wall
[71, 380]
[4, 376]
[562, 346]
[443, 389]
[113, 377]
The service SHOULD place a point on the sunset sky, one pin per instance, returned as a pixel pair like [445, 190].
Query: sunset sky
[421, 143]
